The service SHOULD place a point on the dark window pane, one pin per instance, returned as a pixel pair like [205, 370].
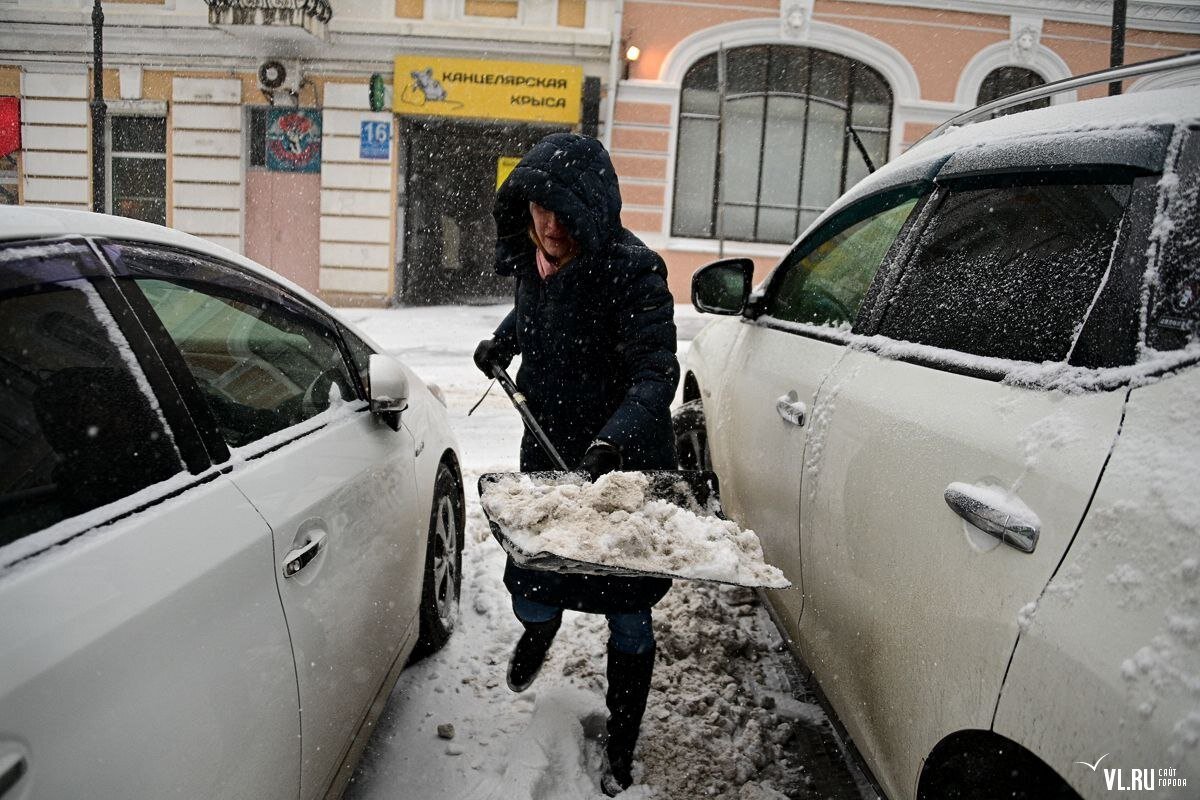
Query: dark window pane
[1009, 80]
[1008, 272]
[746, 70]
[700, 87]
[139, 188]
[258, 136]
[789, 69]
[826, 287]
[139, 134]
[77, 428]
[830, 76]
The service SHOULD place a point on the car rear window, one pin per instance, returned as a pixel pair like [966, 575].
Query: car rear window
[1008, 272]
[79, 426]
[1175, 276]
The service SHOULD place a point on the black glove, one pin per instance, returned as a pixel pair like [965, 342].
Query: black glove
[601, 457]
[490, 352]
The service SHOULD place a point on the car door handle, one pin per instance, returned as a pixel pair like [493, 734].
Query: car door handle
[1015, 530]
[13, 767]
[302, 556]
[791, 410]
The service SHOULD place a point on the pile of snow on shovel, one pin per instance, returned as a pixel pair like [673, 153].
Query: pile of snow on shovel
[613, 522]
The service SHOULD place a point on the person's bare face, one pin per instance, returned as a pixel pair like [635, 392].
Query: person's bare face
[555, 239]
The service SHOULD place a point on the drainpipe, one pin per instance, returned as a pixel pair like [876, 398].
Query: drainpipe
[99, 111]
[614, 71]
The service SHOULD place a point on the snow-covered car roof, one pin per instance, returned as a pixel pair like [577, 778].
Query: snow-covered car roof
[1130, 118]
[23, 222]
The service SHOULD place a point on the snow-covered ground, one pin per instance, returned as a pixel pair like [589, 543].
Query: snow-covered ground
[721, 721]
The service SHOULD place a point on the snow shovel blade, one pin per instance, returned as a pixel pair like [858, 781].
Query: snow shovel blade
[694, 490]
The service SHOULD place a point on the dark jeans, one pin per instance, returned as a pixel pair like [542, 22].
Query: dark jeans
[630, 633]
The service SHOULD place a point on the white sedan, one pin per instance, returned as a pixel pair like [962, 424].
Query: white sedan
[226, 520]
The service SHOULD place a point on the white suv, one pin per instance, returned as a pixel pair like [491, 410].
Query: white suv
[961, 415]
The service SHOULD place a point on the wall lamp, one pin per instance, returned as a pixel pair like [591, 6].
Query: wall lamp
[632, 54]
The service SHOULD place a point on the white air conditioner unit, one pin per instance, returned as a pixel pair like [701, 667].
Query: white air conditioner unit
[279, 76]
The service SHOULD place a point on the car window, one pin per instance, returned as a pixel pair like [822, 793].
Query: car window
[360, 354]
[79, 425]
[1175, 297]
[1008, 272]
[826, 285]
[262, 363]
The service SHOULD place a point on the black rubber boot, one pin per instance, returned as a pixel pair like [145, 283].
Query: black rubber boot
[530, 653]
[628, 688]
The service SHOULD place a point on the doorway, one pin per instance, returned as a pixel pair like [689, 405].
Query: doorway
[448, 182]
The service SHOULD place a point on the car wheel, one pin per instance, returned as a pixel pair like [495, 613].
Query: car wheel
[443, 564]
[691, 436]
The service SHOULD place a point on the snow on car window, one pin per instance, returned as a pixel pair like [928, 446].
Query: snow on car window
[1173, 279]
[81, 428]
[1008, 272]
[109, 325]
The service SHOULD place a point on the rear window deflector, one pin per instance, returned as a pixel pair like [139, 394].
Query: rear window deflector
[1132, 151]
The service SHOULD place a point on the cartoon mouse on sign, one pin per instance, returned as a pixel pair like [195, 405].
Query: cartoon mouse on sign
[425, 89]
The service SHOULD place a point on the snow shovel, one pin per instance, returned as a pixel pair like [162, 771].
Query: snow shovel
[518, 401]
[694, 490]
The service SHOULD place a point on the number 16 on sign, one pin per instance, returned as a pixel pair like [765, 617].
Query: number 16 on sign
[375, 140]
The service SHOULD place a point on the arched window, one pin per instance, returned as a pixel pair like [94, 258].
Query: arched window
[1004, 81]
[775, 122]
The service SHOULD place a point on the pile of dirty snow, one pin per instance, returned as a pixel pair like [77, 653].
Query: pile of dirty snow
[616, 522]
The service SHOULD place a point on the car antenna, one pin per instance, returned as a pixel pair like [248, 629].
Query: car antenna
[861, 149]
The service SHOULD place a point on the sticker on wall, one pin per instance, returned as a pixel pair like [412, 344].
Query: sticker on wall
[294, 140]
[504, 167]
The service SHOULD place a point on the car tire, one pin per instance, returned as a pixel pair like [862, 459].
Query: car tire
[691, 436]
[443, 564]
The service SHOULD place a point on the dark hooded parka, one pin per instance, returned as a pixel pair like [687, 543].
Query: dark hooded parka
[597, 342]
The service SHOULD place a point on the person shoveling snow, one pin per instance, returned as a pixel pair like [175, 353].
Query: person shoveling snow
[594, 324]
[621, 525]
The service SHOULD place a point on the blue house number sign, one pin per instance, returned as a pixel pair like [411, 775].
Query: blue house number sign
[375, 140]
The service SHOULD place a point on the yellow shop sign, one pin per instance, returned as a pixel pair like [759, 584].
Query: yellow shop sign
[479, 88]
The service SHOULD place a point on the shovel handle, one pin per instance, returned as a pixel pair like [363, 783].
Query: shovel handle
[531, 423]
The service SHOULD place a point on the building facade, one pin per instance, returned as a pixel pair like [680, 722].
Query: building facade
[253, 127]
[736, 125]
[741, 121]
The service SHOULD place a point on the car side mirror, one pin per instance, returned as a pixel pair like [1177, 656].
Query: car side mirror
[389, 389]
[723, 287]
